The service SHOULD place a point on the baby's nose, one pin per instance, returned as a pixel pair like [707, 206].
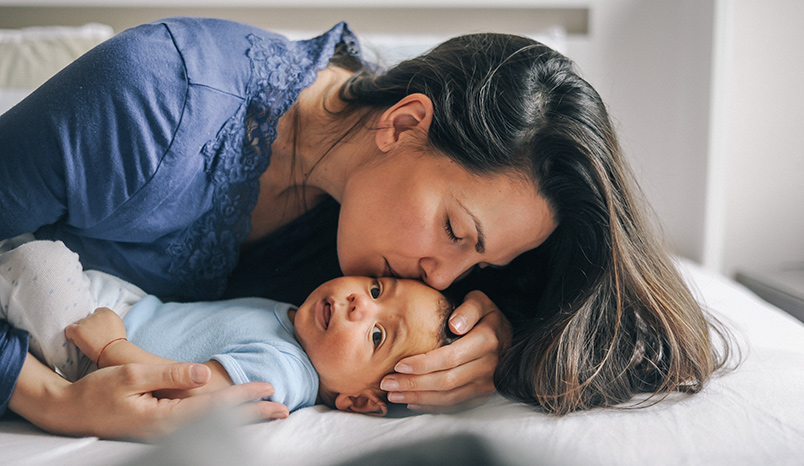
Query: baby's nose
[361, 307]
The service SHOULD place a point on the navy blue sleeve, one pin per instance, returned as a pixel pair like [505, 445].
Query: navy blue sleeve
[13, 351]
[93, 135]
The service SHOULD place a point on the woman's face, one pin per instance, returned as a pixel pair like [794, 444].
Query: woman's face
[423, 216]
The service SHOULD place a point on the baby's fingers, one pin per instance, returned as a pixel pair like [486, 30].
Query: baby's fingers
[241, 397]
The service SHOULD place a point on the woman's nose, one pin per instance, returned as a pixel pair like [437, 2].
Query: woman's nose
[360, 307]
[440, 274]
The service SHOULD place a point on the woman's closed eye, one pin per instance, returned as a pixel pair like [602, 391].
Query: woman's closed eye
[450, 232]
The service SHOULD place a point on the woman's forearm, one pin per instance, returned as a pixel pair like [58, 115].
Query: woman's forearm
[39, 398]
[13, 351]
[116, 402]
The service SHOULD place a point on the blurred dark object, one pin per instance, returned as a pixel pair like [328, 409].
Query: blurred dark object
[452, 450]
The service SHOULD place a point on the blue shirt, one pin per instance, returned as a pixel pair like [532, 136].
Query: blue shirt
[138, 156]
[252, 338]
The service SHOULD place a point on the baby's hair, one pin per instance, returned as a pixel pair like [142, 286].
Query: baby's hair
[445, 335]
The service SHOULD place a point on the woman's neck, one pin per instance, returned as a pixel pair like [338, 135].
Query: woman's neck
[312, 156]
[319, 150]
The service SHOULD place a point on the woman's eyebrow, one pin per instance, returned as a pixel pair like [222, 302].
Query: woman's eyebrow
[480, 246]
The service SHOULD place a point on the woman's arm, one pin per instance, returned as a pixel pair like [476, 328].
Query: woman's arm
[13, 350]
[101, 336]
[459, 375]
[116, 402]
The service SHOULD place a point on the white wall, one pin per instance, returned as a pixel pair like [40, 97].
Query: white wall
[651, 61]
[708, 97]
[762, 154]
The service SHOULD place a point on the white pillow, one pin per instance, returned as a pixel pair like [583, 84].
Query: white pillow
[386, 50]
[30, 56]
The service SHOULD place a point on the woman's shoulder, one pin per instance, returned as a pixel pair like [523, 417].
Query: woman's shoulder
[230, 56]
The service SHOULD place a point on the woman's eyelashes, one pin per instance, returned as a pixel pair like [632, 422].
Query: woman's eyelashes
[450, 232]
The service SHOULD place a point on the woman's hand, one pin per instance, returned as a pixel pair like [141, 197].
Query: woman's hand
[459, 375]
[116, 402]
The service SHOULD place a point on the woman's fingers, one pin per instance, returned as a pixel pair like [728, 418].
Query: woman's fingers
[483, 339]
[476, 310]
[450, 387]
[175, 413]
[475, 306]
[480, 341]
[240, 396]
[117, 402]
[464, 398]
[137, 381]
[180, 376]
[461, 373]
[264, 410]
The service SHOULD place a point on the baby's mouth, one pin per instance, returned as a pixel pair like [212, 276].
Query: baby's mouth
[326, 313]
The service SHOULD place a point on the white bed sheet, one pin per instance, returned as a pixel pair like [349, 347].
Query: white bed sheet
[752, 415]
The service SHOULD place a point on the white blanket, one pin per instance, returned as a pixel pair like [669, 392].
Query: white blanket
[752, 415]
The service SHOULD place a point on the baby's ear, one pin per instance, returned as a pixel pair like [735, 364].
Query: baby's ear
[366, 402]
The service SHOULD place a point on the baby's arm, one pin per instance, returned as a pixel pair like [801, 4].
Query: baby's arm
[101, 336]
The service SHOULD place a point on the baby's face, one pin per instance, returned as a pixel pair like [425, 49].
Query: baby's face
[355, 329]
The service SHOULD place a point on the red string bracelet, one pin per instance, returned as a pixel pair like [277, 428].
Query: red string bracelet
[97, 363]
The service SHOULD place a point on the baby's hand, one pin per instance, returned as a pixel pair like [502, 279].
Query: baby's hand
[92, 333]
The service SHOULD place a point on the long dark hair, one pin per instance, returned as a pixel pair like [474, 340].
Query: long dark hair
[600, 313]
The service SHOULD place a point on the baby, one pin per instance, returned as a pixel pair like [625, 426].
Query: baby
[334, 349]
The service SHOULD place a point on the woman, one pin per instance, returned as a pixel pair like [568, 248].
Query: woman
[184, 152]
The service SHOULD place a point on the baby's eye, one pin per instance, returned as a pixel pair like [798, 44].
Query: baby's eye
[375, 290]
[376, 336]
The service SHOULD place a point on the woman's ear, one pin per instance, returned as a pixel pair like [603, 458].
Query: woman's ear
[413, 112]
[366, 402]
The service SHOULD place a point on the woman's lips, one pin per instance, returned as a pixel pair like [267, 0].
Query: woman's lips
[388, 271]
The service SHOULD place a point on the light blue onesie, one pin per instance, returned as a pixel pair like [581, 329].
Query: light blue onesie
[251, 337]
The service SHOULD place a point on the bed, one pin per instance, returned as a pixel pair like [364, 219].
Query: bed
[753, 414]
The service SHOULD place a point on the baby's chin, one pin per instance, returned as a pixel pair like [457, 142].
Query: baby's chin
[308, 304]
